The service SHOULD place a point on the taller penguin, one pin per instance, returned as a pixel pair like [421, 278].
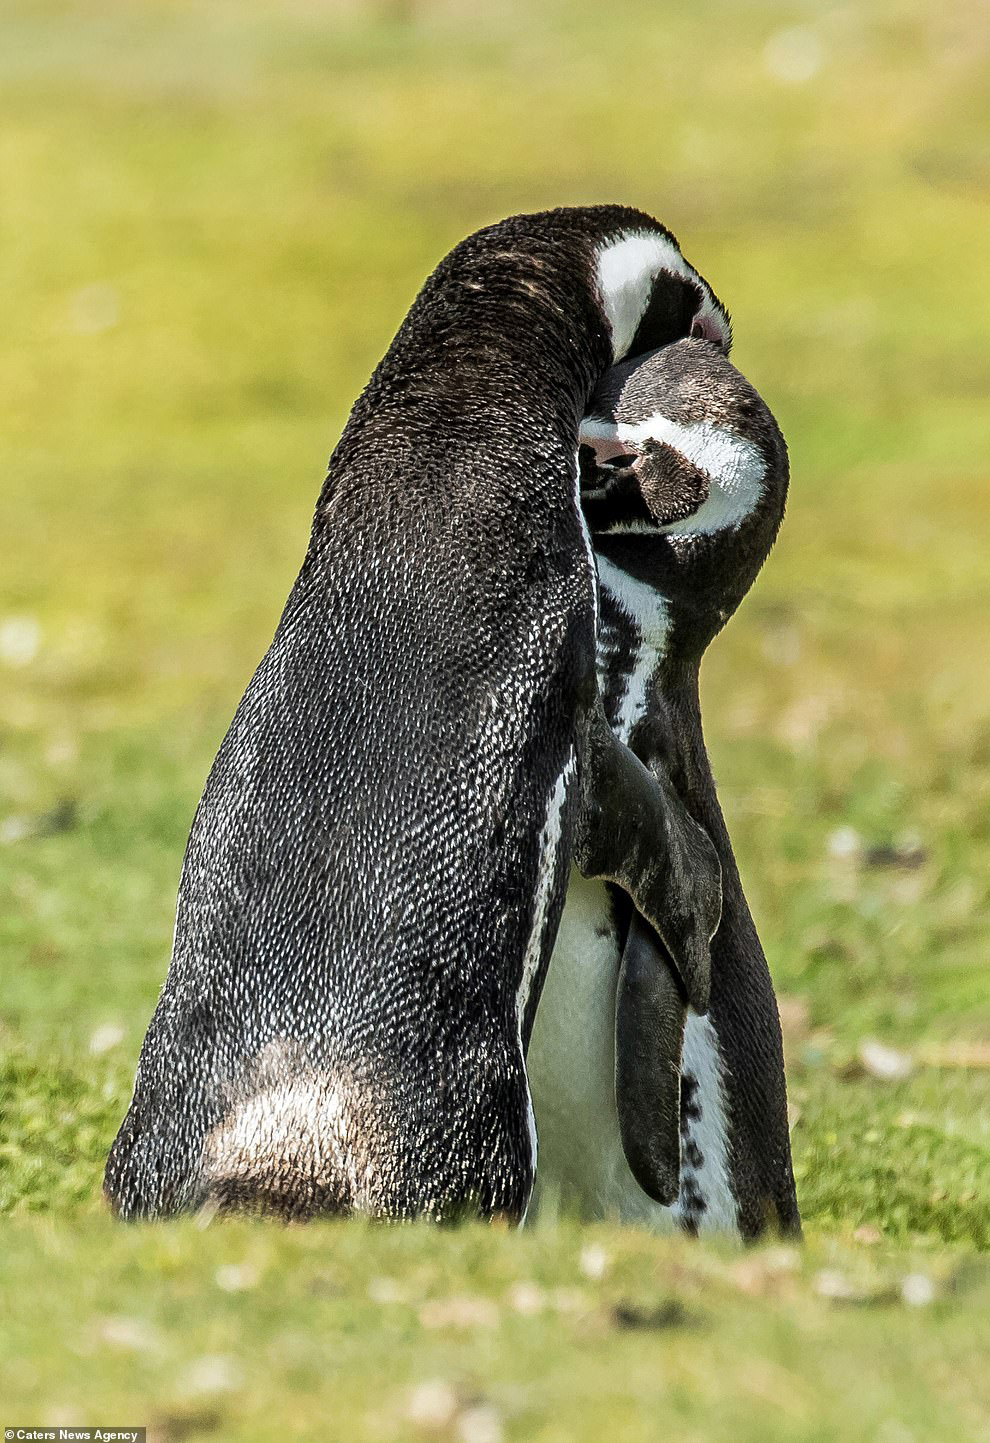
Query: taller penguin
[377, 867]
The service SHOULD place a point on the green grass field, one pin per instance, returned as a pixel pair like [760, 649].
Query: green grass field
[212, 218]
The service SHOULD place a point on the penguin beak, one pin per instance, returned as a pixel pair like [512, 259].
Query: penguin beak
[654, 484]
[610, 487]
[595, 445]
[610, 454]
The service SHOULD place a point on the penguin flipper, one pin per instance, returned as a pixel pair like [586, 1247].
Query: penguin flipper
[634, 830]
[650, 1013]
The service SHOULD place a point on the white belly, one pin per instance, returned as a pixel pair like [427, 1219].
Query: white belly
[571, 1066]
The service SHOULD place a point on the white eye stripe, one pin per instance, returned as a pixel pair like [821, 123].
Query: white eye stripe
[736, 468]
[627, 271]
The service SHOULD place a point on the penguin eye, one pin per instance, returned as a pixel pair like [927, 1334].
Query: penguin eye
[706, 329]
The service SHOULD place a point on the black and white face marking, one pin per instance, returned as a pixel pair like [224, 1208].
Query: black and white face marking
[643, 314]
[734, 469]
[678, 449]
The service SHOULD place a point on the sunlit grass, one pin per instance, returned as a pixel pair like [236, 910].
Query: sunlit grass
[213, 219]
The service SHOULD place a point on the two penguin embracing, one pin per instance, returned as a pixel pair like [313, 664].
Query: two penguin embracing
[469, 775]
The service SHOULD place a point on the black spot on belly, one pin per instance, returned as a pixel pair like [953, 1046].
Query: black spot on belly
[692, 1203]
[692, 1207]
[690, 1101]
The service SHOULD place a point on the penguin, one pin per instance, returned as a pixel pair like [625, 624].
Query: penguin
[647, 1109]
[377, 867]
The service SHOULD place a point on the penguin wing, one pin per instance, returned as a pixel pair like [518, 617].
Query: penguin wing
[662, 970]
[650, 1013]
[634, 830]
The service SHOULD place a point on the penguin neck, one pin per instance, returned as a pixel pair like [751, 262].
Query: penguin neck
[633, 635]
[511, 362]
[698, 584]
[649, 636]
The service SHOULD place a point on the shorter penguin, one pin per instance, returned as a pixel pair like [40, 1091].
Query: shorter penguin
[647, 1109]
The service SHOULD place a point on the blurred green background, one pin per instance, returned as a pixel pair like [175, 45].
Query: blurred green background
[213, 216]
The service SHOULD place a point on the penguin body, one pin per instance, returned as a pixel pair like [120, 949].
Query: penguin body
[686, 481]
[376, 869]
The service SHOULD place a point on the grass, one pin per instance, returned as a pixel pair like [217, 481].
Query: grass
[214, 219]
[383, 1335]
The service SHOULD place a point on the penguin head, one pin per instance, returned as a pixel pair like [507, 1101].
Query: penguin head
[652, 296]
[684, 481]
[586, 285]
[630, 264]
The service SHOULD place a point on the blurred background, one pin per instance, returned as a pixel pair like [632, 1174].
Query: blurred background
[213, 216]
